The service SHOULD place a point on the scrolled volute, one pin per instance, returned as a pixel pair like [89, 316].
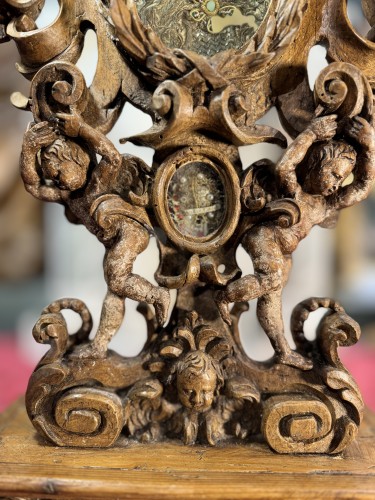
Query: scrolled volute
[297, 423]
[84, 417]
[302, 311]
[336, 330]
[226, 115]
[229, 114]
[341, 88]
[257, 182]
[78, 307]
[58, 87]
[51, 328]
[174, 104]
[171, 95]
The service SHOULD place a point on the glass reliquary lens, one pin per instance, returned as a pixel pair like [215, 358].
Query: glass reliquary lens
[196, 200]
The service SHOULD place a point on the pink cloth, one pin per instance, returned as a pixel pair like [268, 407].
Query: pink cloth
[15, 372]
[360, 361]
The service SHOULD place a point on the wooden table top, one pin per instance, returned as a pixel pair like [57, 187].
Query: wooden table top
[31, 468]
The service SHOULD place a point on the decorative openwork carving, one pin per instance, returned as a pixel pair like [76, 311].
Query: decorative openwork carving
[205, 72]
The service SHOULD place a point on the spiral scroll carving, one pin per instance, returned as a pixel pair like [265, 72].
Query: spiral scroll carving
[297, 424]
[58, 87]
[85, 417]
[76, 306]
[342, 89]
[319, 419]
[172, 95]
[337, 330]
[228, 110]
[51, 328]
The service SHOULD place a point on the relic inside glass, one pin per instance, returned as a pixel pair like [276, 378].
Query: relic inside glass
[196, 200]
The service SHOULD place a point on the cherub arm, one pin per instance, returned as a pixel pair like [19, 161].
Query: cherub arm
[36, 137]
[364, 173]
[320, 129]
[112, 165]
[74, 126]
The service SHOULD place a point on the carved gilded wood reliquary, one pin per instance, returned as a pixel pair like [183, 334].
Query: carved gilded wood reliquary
[206, 71]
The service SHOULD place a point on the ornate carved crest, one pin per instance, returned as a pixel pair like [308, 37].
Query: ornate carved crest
[205, 71]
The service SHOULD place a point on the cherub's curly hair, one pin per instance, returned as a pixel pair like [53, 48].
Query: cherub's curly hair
[66, 150]
[321, 153]
[196, 363]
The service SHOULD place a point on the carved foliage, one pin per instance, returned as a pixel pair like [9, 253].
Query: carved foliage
[194, 388]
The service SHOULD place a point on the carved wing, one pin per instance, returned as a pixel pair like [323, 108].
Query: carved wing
[157, 61]
[264, 48]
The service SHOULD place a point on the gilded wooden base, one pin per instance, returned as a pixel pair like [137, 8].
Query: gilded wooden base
[32, 468]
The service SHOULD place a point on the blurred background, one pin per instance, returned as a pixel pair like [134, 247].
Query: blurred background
[43, 258]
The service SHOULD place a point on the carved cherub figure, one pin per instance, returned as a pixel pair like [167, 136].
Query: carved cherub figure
[65, 170]
[311, 172]
[208, 401]
[199, 379]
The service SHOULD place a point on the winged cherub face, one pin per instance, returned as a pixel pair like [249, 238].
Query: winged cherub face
[197, 392]
[197, 381]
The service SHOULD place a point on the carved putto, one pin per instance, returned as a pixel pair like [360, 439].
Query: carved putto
[205, 71]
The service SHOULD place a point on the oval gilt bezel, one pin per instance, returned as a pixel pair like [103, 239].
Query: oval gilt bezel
[199, 245]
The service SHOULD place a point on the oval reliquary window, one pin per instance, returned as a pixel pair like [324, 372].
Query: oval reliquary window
[196, 199]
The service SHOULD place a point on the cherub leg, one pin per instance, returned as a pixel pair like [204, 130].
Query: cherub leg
[111, 317]
[269, 312]
[132, 239]
[271, 272]
[269, 269]
[270, 316]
